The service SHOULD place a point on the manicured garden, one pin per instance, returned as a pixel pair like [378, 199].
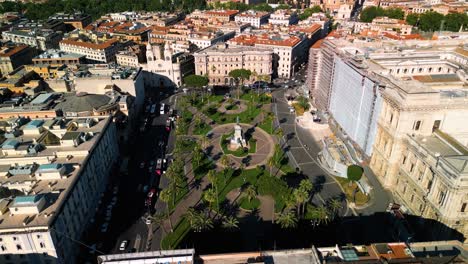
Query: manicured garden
[241, 151]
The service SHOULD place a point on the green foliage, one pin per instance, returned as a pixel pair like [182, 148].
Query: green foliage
[309, 11]
[276, 187]
[196, 81]
[430, 21]
[262, 7]
[171, 240]
[97, 8]
[303, 103]
[287, 220]
[249, 205]
[354, 172]
[454, 21]
[371, 12]
[240, 152]
[283, 6]
[240, 75]
[412, 19]
[230, 5]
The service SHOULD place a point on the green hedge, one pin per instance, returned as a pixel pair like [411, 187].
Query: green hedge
[172, 240]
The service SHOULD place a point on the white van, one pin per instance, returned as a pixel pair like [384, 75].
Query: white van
[161, 111]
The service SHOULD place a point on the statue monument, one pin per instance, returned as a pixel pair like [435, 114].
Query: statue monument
[238, 139]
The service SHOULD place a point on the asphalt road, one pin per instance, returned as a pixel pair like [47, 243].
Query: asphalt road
[128, 214]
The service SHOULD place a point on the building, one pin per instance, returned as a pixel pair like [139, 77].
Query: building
[21, 81]
[284, 17]
[217, 61]
[47, 71]
[381, 25]
[166, 68]
[132, 56]
[219, 15]
[34, 106]
[61, 166]
[289, 50]
[14, 56]
[436, 252]
[33, 25]
[254, 18]
[205, 39]
[40, 39]
[56, 57]
[73, 21]
[319, 19]
[97, 52]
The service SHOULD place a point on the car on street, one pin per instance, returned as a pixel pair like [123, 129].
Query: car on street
[123, 245]
[162, 109]
[168, 124]
[142, 165]
[159, 166]
[153, 109]
[148, 220]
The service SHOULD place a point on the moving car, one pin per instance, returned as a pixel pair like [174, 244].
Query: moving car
[161, 110]
[123, 245]
[159, 166]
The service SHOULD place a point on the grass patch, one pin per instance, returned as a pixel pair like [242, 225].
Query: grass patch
[185, 144]
[232, 107]
[200, 170]
[361, 198]
[179, 196]
[172, 240]
[202, 129]
[282, 161]
[299, 109]
[236, 180]
[249, 205]
[183, 122]
[275, 187]
[267, 125]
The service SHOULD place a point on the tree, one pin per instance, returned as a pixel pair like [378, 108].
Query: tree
[210, 196]
[197, 155]
[456, 21]
[239, 76]
[230, 223]
[396, 13]
[196, 81]
[309, 11]
[165, 196]
[271, 163]
[224, 160]
[322, 215]
[204, 141]
[303, 103]
[158, 219]
[203, 222]
[306, 185]
[250, 192]
[263, 7]
[412, 19]
[279, 133]
[334, 205]
[191, 215]
[371, 12]
[354, 173]
[430, 21]
[301, 196]
[287, 220]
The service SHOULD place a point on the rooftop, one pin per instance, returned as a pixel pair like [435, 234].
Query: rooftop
[12, 50]
[46, 158]
[265, 39]
[54, 53]
[90, 45]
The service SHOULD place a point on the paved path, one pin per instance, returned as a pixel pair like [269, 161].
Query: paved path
[264, 146]
[241, 107]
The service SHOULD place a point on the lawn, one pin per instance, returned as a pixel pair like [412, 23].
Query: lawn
[185, 144]
[361, 198]
[249, 205]
[275, 187]
[267, 125]
[235, 180]
[171, 240]
[282, 161]
[202, 129]
[180, 195]
[201, 169]
[183, 122]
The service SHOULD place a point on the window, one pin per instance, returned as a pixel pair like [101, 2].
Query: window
[42, 245]
[412, 167]
[463, 208]
[18, 247]
[391, 118]
[3, 248]
[39, 236]
[404, 160]
[417, 125]
[441, 197]
[412, 198]
[420, 70]
[15, 238]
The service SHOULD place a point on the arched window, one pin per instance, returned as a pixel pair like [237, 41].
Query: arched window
[405, 71]
[440, 69]
[430, 69]
[420, 70]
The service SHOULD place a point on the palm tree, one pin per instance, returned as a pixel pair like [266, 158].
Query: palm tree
[287, 220]
[158, 219]
[335, 205]
[322, 214]
[204, 141]
[203, 222]
[211, 175]
[250, 192]
[165, 196]
[230, 223]
[279, 133]
[306, 185]
[290, 201]
[301, 197]
[210, 196]
[197, 156]
[224, 160]
[191, 216]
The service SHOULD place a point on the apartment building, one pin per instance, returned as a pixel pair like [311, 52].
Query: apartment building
[289, 50]
[384, 24]
[73, 21]
[254, 18]
[132, 56]
[205, 39]
[219, 15]
[284, 17]
[57, 57]
[58, 167]
[40, 39]
[14, 56]
[217, 61]
[97, 52]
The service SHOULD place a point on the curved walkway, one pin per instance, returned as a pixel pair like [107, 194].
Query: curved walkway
[265, 210]
[265, 146]
[241, 107]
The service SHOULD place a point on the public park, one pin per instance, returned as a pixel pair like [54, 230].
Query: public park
[230, 176]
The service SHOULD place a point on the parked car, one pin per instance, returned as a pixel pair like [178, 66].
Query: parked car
[162, 109]
[104, 227]
[123, 245]
[168, 125]
[148, 220]
[159, 166]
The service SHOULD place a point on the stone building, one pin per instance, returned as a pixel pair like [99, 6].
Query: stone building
[217, 61]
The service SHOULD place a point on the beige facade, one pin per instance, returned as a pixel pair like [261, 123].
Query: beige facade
[420, 146]
[217, 61]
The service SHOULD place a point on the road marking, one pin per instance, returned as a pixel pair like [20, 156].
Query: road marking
[304, 163]
[137, 242]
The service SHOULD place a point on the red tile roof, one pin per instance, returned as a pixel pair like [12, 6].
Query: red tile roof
[89, 45]
[265, 39]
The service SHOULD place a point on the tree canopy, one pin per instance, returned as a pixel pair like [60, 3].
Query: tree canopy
[196, 81]
[240, 74]
[431, 21]
[309, 11]
[371, 12]
[355, 172]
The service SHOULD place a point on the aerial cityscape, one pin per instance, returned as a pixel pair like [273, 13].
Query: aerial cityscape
[233, 131]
